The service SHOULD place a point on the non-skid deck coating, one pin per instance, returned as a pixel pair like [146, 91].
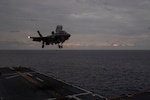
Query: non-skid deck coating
[19, 83]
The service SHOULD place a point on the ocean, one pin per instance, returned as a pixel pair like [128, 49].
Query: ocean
[106, 72]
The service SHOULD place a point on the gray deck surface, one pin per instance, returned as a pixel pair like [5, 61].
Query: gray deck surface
[21, 83]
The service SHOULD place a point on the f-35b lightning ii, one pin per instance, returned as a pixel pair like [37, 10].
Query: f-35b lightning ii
[58, 37]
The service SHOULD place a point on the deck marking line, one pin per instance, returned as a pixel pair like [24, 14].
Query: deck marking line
[12, 76]
[12, 68]
[28, 78]
[29, 74]
[39, 79]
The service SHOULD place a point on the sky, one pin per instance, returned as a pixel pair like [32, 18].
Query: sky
[93, 24]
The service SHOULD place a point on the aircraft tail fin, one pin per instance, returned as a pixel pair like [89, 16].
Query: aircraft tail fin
[59, 28]
[39, 34]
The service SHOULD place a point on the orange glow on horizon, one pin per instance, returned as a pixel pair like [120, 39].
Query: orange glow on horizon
[97, 44]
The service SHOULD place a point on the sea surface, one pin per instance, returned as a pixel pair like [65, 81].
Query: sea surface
[106, 72]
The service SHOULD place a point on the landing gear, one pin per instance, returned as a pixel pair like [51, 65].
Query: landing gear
[42, 44]
[60, 46]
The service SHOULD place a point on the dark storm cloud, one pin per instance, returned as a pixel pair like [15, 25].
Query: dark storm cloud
[100, 22]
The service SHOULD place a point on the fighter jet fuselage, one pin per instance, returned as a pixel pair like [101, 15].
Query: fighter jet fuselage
[58, 37]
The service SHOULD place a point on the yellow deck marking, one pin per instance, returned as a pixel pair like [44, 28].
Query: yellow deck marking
[35, 82]
[11, 68]
[28, 78]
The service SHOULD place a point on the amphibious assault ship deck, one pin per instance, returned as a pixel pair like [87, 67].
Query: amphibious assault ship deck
[21, 83]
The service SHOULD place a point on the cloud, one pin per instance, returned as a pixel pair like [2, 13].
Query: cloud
[92, 23]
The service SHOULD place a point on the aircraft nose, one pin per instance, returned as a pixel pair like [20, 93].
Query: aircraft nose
[69, 35]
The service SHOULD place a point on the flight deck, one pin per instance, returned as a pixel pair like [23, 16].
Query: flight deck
[21, 83]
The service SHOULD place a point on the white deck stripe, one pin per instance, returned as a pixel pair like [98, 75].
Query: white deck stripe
[29, 74]
[12, 76]
[39, 79]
